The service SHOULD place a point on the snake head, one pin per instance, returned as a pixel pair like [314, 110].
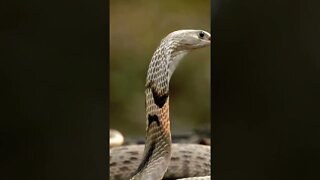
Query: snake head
[190, 39]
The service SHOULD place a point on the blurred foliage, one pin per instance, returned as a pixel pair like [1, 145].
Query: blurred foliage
[136, 28]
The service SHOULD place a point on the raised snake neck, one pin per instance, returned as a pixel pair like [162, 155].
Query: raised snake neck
[157, 151]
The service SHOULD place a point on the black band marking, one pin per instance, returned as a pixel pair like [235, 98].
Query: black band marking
[159, 100]
[153, 118]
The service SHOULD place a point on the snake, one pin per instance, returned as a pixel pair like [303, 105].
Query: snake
[159, 158]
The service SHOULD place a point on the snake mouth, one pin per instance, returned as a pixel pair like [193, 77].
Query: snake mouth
[208, 41]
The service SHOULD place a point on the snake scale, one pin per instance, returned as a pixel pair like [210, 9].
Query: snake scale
[159, 158]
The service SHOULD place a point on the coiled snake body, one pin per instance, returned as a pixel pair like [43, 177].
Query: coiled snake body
[159, 153]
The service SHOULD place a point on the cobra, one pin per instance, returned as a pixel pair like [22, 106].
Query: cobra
[128, 162]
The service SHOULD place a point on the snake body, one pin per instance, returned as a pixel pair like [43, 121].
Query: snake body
[159, 153]
[187, 160]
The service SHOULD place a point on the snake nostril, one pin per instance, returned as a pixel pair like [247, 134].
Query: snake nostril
[209, 38]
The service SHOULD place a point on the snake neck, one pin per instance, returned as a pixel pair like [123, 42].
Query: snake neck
[157, 152]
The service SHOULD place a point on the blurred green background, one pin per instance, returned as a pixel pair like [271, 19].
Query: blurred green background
[136, 28]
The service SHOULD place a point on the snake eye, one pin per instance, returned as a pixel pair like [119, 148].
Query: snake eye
[201, 34]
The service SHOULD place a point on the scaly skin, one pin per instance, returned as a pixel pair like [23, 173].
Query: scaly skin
[172, 49]
[187, 160]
